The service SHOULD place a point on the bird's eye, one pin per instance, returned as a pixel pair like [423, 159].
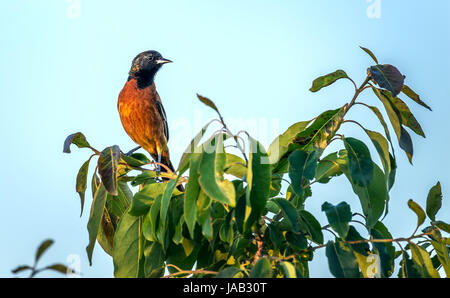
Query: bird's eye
[150, 58]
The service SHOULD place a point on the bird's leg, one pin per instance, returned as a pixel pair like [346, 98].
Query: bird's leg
[133, 150]
[158, 166]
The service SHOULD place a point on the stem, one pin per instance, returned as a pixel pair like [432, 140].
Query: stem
[188, 272]
[357, 92]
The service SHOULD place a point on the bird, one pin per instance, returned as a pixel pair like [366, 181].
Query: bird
[141, 110]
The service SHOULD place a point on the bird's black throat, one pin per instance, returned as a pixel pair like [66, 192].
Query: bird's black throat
[144, 79]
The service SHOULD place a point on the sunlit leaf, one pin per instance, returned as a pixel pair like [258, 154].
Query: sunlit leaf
[419, 212]
[341, 260]
[262, 269]
[414, 96]
[370, 54]
[107, 168]
[95, 217]
[421, 257]
[434, 201]
[143, 200]
[154, 260]
[78, 139]
[327, 80]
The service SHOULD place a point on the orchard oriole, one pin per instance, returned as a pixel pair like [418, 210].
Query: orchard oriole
[141, 110]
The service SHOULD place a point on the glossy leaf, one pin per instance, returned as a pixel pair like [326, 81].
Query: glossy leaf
[341, 260]
[443, 254]
[289, 212]
[191, 194]
[235, 166]
[338, 217]
[327, 80]
[230, 272]
[258, 179]
[280, 146]
[414, 96]
[107, 168]
[419, 212]
[406, 116]
[143, 199]
[328, 168]
[387, 77]
[310, 225]
[360, 163]
[42, 249]
[434, 201]
[95, 217]
[154, 260]
[193, 145]
[403, 136]
[302, 166]
[81, 184]
[211, 172]
[288, 270]
[126, 251]
[262, 269]
[77, 139]
[385, 250]
[370, 54]
[421, 257]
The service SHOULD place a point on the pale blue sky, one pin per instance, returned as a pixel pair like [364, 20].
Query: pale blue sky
[256, 59]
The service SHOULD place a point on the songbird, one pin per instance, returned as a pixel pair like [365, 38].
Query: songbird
[141, 110]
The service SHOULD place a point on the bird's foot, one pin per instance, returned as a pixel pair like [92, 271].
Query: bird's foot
[133, 150]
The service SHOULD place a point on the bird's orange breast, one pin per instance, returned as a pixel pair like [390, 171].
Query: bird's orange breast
[140, 117]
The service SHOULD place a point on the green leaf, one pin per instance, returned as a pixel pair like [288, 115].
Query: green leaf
[385, 250]
[81, 184]
[382, 147]
[258, 179]
[297, 241]
[387, 77]
[403, 136]
[419, 212]
[262, 269]
[143, 200]
[421, 257]
[191, 194]
[310, 225]
[341, 260]
[442, 252]
[230, 272]
[235, 166]
[414, 96]
[43, 248]
[208, 102]
[154, 260]
[95, 218]
[191, 149]
[442, 225]
[328, 168]
[434, 201]
[338, 217]
[147, 177]
[288, 270]
[302, 166]
[289, 212]
[58, 268]
[212, 170]
[327, 80]
[370, 54]
[127, 252]
[280, 146]
[170, 186]
[20, 269]
[78, 139]
[406, 116]
[107, 168]
[360, 163]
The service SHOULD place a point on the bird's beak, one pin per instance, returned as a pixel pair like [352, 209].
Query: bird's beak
[163, 61]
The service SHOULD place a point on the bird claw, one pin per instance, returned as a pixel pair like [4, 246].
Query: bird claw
[133, 150]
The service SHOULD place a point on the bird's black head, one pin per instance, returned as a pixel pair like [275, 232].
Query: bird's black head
[145, 66]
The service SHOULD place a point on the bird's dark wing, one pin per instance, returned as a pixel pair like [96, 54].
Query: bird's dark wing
[163, 115]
